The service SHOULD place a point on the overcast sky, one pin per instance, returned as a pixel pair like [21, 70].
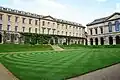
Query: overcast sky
[81, 11]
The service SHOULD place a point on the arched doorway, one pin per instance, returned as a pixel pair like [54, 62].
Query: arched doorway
[91, 41]
[117, 40]
[0, 38]
[111, 40]
[96, 41]
[102, 41]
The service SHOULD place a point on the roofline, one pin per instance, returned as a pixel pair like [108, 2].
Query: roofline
[102, 22]
[89, 24]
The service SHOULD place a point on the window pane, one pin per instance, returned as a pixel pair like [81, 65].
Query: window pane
[117, 26]
[8, 27]
[16, 28]
[0, 27]
[0, 16]
[110, 26]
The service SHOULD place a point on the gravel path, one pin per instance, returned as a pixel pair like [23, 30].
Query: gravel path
[5, 74]
[110, 73]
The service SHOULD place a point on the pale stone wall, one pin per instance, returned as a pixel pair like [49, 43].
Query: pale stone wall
[50, 26]
[106, 34]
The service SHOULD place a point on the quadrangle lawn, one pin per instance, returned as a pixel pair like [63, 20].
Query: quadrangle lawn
[54, 65]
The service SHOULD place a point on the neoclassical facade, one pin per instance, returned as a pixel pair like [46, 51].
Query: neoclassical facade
[13, 22]
[104, 31]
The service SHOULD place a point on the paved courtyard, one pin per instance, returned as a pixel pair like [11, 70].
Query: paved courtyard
[5, 74]
[110, 73]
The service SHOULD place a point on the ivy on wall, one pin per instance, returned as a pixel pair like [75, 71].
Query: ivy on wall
[33, 38]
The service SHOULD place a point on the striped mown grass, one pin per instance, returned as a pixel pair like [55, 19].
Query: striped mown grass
[22, 48]
[59, 65]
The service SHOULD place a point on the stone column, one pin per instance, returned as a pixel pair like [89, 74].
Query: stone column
[94, 41]
[88, 41]
[106, 40]
[99, 41]
[114, 40]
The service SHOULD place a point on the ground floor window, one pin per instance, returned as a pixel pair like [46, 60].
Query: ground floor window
[96, 41]
[117, 40]
[86, 42]
[102, 41]
[91, 41]
[110, 40]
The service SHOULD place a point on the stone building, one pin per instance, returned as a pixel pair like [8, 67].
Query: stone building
[104, 31]
[13, 22]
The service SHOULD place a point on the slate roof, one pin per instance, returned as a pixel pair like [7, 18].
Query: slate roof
[100, 20]
[23, 13]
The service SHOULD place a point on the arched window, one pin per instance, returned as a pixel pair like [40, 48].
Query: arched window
[117, 24]
[110, 26]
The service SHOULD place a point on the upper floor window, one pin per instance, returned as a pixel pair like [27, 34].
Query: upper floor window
[9, 17]
[66, 26]
[43, 23]
[43, 30]
[101, 30]
[36, 22]
[53, 24]
[110, 26]
[76, 34]
[30, 30]
[73, 34]
[91, 32]
[53, 31]
[0, 27]
[8, 28]
[58, 32]
[117, 26]
[58, 25]
[62, 32]
[23, 29]
[48, 30]
[96, 31]
[35, 30]
[16, 19]
[23, 21]
[48, 23]
[70, 34]
[66, 33]
[1, 16]
[16, 27]
[30, 21]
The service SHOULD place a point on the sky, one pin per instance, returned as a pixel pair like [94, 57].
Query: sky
[80, 11]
